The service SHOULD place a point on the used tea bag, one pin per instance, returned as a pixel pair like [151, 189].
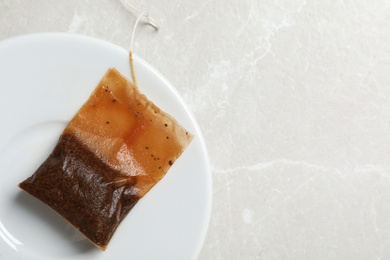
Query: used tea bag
[114, 150]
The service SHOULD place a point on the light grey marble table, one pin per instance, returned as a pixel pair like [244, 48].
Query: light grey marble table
[293, 98]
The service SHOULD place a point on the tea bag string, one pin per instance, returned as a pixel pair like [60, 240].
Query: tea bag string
[132, 9]
[150, 21]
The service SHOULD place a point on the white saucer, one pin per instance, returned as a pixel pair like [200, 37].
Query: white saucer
[44, 79]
